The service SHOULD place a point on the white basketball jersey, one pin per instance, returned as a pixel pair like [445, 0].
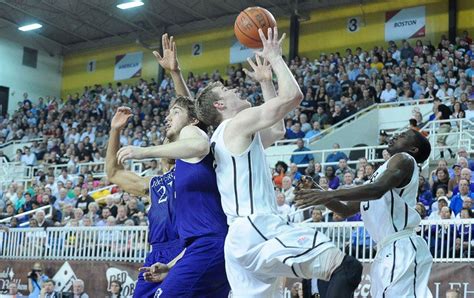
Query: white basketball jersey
[395, 210]
[244, 180]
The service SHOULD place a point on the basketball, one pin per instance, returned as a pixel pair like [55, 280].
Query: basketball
[247, 24]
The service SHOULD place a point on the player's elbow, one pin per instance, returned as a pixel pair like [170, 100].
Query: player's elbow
[201, 148]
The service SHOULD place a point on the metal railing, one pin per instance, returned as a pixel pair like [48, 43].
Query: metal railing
[48, 210]
[449, 240]
[118, 243]
[356, 116]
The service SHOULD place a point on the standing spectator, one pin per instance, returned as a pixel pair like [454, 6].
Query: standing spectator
[383, 141]
[301, 159]
[443, 113]
[336, 155]
[36, 278]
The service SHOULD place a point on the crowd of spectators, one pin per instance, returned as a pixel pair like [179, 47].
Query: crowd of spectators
[72, 131]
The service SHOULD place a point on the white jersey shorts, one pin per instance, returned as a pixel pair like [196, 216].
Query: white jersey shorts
[261, 248]
[402, 269]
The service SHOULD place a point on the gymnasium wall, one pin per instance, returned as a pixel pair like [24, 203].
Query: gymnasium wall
[214, 54]
[465, 16]
[76, 74]
[43, 80]
[326, 31]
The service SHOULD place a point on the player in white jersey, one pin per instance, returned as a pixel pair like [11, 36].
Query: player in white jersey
[261, 246]
[387, 202]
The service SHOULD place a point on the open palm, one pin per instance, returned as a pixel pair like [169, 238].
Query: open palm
[169, 60]
[262, 71]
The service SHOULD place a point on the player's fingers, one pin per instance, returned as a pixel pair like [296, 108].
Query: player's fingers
[282, 38]
[144, 269]
[269, 34]
[262, 36]
[157, 55]
[252, 64]
[171, 41]
[258, 59]
[164, 41]
[275, 33]
[174, 48]
[247, 72]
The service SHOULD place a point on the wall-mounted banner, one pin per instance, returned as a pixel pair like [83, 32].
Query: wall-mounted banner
[405, 23]
[239, 52]
[128, 66]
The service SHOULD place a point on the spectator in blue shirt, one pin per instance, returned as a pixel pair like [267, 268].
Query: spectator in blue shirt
[301, 159]
[294, 132]
[336, 155]
[424, 194]
[457, 200]
[334, 89]
[316, 131]
[470, 71]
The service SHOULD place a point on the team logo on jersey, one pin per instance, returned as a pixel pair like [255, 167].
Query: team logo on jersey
[301, 240]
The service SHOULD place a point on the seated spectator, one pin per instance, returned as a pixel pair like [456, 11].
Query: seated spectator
[321, 117]
[465, 234]
[121, 215]
[343, 168]
[47, 290]
[462, 152]
[441, 178]
[314, 132]
[13, 290]
[84, 200]
[282, 207]
[455, 178]
[336, 155]
[388, 94]
[464, 194]
[78, 289]
[104, 215]
[441, 203]
[333, 180]
[317, 215]
[421, 209]
[294, 132]
[42, 221]
[301, 159]
[442, 237]
[29, 158]
[115, 289]
[280, 171]
[465, 174]
[425, 196]
[347, 181]
[294, 174]
[288, 190]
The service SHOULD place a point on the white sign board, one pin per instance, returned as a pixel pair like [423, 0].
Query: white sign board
[405, 23]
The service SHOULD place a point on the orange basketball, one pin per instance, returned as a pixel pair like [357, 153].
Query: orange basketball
[247, 24]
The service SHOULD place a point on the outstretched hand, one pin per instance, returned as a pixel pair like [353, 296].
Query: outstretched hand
[262, 71]
[271, 44]
[155, 273]
[311, 197]
[169, 60]
[121, 117]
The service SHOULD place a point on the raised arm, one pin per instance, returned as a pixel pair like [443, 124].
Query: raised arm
[289, 96]
[192, 143]
[398, 174]
[127, 180]
[262, 73]
[169, 61]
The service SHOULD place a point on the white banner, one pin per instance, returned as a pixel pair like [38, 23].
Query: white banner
[128, 66]
[405, 23]
[239, 52]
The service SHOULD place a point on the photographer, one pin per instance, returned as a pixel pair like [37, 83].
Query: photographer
[35, 280]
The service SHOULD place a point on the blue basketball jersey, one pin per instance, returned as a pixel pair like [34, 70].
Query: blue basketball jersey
[161, 215]
[198, 206]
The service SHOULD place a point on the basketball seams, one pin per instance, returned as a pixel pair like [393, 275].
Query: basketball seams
[246, 35]
[258, 18]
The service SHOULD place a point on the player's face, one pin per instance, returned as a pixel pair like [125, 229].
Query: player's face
[175, 121]
[231, 99]
[401, 142]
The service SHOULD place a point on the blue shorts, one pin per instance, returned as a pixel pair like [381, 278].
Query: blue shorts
[200, 273]
[160, 252]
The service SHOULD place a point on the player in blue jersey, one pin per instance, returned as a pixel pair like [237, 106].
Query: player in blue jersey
[200, 221]
[163, 235]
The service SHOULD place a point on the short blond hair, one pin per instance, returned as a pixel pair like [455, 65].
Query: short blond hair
[205, 110]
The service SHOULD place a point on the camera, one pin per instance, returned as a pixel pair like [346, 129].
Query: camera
[33, 274]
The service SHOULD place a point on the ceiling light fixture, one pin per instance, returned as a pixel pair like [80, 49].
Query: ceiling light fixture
[30, 27]
[130, 4]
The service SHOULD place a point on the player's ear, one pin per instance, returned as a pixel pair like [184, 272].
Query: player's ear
[414, 150]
